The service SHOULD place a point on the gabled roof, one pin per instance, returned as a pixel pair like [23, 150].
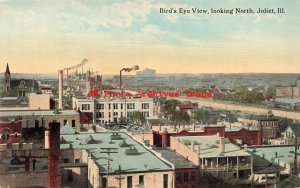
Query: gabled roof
[296, 129]
[67, 129]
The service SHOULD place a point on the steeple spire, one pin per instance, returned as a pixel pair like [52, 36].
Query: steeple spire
[7, 69]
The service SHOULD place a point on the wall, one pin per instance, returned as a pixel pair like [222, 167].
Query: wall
[74, 175]
[183, 150]
[36, 178]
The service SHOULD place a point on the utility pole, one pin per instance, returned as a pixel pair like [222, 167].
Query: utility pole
[120, 177]
[108, 151]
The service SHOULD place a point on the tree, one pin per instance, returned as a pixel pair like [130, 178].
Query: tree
[170, 106]
[180, 117]
[201, 115]
[138, 117]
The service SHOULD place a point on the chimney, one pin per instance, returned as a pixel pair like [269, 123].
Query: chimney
[199, 150]
[222, 145]
[54, 155]
[194, 127]
[46, 140]
[60, 89]
[276, 154]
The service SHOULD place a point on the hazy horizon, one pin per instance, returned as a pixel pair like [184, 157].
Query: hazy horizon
[47, 36]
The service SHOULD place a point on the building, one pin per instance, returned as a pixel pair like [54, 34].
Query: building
[10, 131]
[216, 156]
[186, 173]
[130, 164]
[236, 135]
[107, 111]
[33, 101]
[18, 87]
[268, 124]
[282, 156]
[291, 133]
[290, 92]
[35, 119]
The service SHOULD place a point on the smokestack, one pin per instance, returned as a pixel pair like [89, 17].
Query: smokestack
[54, 156]
[222, 145]
[46, 140]
[60, 89]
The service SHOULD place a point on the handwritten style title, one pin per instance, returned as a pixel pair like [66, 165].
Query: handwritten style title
[114, 94]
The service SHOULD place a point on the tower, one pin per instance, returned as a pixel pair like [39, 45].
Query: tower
[7, 79]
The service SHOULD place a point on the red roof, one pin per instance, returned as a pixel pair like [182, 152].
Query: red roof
[185, 106]
[86, 117]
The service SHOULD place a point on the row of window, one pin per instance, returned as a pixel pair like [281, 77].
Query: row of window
[114, 106]
[184, 177]
[129, 114]
[141, 181]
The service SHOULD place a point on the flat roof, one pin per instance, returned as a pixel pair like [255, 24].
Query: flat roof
[209, 146]
[176, 159]
[131, 155]
[284, 153]
[36, 112]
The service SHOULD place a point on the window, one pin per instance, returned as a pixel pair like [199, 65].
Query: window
[115, 106]
[99, 106]
[73, 123]
[109, 106]
[115, 113]
[65, 121]
[193, 176]
[145, 114]
[85, 106]
[165, 180]
[130, 106]
[121, 105]
[129, 181]
[5, 135]
[70, 175]
[77, 160]
[141, 180]
[145, 105]
[178, 177]
[66, 160]
[186, 177]
[99, 114]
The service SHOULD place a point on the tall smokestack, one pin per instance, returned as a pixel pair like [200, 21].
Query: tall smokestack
[54, 156]
[60, 89]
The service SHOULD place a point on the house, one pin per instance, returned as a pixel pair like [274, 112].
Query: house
[290, 133]
[185, 108]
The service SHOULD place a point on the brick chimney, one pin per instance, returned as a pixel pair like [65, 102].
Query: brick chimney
[54, 155]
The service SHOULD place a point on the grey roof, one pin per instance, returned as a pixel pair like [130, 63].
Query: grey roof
[36, 112]
[209, 146]
[290, 182]
[134, 158]
[67, 129]
[235, 129]
[176, 159]
[263, 166]
[284, 153]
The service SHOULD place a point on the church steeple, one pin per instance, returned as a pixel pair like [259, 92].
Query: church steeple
[7, 69]
[7, 79]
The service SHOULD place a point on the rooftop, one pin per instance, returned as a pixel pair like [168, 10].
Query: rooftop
[37, 113]
[284, 153]
[209, 146]
[176, 159]
[131, 155]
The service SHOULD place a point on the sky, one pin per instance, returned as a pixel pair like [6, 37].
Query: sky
[43, 36]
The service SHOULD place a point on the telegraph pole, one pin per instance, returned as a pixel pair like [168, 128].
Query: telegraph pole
[108, 151]
[120, 177]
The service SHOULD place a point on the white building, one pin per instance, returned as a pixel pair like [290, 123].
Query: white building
[107, 110]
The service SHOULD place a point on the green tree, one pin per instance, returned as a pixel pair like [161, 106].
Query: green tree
[180, 117]
[201, 115]
[170, 106]
[137, 116]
